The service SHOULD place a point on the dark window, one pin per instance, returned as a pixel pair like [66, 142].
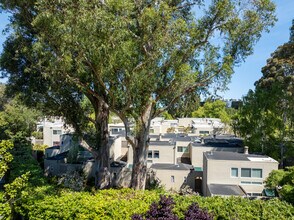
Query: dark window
[156, 154]
[245, 172]
[150, 154]
[172, 179]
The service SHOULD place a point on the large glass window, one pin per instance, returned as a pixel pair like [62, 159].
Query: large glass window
[234, 172]
[245, 172]
[256, 173]
[253, 173]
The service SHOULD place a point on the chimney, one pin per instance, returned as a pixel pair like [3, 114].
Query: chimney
[246, 149]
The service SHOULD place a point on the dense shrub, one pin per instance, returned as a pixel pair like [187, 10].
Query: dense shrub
[123, 204]
[162, 210]
[283, 180]
[194, 212]
[24, 162]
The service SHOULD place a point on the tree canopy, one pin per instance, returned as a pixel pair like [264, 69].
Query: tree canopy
[266, 119]
[138, 58]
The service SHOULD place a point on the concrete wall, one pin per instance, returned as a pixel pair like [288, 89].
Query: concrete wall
[48, 136]
[59, 167]
[121, 177]
[179, 177]
[219, 172]
[183, 144]
[116, 149]
[166, 154]
[155, 129]
[185, 122]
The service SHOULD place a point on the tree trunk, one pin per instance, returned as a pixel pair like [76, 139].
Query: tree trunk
[140, 150]
[102, 173]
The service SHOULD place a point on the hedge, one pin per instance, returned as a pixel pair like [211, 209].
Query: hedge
[122, 204]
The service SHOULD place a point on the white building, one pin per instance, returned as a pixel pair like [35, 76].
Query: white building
[52, 129]
[229, 173]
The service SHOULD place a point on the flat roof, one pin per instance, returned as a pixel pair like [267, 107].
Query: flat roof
[169, 166]
[160, 143]
[225, 190]
[222, 155]
[216, 144]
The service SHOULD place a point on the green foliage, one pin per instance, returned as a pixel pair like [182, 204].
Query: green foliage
[266, 118]
[37, 134]
[5, 156]
[17, 120]
[23, 162]
[14, 192]
[136, 58]
[73, 154]
[122, 204]
[40, 147]
[213, 109]
[167, 116]
[283, 180]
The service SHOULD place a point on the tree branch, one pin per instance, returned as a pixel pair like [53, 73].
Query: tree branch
[85, 145]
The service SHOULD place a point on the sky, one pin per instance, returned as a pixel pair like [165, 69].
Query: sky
[249, 71]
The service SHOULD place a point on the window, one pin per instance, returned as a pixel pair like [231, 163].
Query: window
[172, 179]
[234, 172]
[150, 154]
[253, 183]
[257, 183]
[153, 154]
[203, 132]
[56, 132]
[253, 173]
[156, 154]
[245, 172]
[151, 131]
[245, 182]
[183, 149]
[256, 173]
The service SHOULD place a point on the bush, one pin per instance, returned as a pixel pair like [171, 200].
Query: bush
[46, 203]
[161, 210]
[194, 212]
[283, 180]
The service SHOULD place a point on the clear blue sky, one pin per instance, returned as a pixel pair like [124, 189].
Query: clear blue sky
[250, 71]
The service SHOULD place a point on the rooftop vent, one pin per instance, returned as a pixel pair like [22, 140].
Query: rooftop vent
[246, 148]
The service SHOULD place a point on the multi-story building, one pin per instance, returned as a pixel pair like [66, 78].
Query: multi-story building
[237, 173]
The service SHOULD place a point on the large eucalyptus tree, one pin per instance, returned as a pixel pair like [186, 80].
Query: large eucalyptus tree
[138, 57]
